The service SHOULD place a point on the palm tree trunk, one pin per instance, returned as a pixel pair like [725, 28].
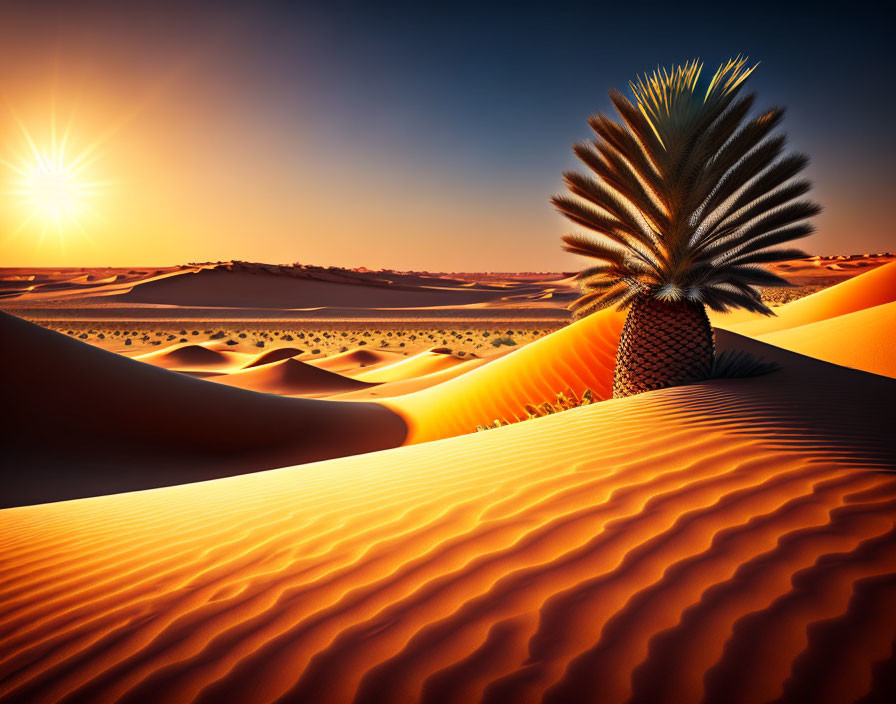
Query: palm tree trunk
[662, 344]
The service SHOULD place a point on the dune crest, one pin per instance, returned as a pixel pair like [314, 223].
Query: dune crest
[275, 355]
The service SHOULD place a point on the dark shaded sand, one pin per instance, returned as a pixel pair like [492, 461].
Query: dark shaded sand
[83, 421]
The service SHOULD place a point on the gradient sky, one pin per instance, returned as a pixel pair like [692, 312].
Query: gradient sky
[398, 135]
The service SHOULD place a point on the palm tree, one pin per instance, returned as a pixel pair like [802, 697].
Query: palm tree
[690, 195]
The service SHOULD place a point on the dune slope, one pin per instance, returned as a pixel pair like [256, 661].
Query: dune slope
[82, 421]
[867, 290]
[704, 543]
[578, 357]
[864, 340]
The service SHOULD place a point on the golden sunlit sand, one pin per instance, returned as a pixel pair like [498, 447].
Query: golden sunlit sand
[648, 549]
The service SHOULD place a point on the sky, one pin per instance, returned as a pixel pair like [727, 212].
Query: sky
[391, 135]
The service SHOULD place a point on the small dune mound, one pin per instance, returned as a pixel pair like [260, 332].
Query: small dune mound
[428, 362]
[355, 358]
[290, 377]
[190, 357]
[272, 356]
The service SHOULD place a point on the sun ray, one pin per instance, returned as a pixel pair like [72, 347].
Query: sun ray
[51, 186]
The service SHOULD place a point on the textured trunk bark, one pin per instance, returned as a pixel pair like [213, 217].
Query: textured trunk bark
[662, 344]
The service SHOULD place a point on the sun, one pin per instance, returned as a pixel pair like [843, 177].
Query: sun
[52, 187]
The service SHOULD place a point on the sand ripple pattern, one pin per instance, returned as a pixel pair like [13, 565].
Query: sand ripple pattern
[699, 544]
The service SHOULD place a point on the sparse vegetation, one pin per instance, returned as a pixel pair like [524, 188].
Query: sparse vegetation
[564, 402]
[331, 337]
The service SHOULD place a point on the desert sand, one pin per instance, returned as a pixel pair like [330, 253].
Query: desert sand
[727, 541]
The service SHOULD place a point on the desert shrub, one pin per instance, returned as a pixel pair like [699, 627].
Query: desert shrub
[498, 341]
[737, 364]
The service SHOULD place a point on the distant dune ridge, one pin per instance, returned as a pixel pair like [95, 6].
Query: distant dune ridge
[732, 541]
[264, 291]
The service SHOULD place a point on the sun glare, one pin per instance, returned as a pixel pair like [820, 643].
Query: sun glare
[52, 188]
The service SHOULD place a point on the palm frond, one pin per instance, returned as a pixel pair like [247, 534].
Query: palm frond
[688, 195]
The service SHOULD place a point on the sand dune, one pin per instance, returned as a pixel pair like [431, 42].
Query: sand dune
[865, 339]
[358, 358]
[582, 355]
[867, 290]
[272, 356]
[730, 541]
[290, 377]
[704, 543]
[106, 423]
[190, 357]
[414, 384]
[420, 364]
[212, 287]
[578, 357]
